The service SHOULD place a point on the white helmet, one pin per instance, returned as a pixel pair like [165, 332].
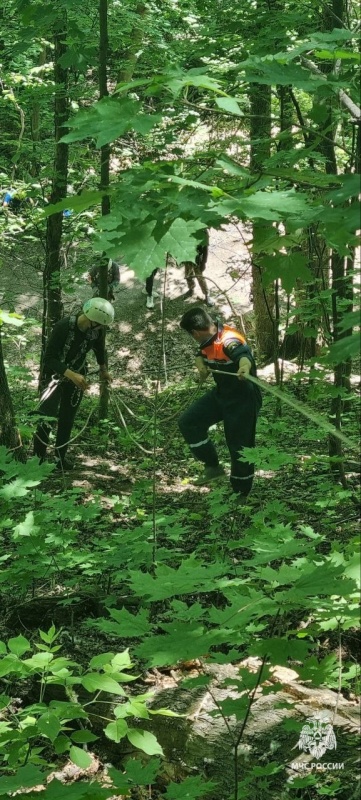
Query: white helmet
[99, 310]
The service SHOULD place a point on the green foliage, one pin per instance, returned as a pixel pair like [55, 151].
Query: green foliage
[108, 119]
[189, 789]
[273, 582]
[10, 319]
[22, 733]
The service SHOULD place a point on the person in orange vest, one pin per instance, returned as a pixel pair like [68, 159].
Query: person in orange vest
[234, 401]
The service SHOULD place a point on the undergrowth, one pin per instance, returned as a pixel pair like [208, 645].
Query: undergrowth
[172, 575]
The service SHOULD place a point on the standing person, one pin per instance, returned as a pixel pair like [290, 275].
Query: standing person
[113, 279]
[234, 400]
[65, 372]
[194, 270]
[151, 294]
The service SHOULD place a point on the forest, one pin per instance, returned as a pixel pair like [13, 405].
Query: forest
[180, 186]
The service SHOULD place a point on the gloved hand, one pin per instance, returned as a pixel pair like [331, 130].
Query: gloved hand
[203, 375]
[203, 371]
[78, 380]
[244, 368]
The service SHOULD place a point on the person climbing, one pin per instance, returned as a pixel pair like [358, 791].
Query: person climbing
[93, 277]
[149, 290]
[194, 270]
[234, 400]
[65, 372]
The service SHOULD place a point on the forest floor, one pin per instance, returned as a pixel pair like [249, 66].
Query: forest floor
[148, 353]
[152, 365]
[137, 466]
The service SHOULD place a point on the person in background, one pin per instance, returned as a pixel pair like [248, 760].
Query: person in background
[194, 271]
[15, 200]
[113, 279]
[65, 372]
[149, 290]
[234, 400]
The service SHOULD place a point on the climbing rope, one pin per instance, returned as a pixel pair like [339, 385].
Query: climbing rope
[296, 405]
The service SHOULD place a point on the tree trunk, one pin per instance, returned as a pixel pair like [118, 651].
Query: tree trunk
[35, 124]
[333, 18]
[54, 229]
[9, 434]
[263, 296]
[104, 176]
[130, 56]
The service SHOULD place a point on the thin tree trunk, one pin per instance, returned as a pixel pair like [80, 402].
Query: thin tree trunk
[332, 18]
[104, 175]
[54, 229]
[35, 124]
[130, 57]
[263, 296]
[9, 434]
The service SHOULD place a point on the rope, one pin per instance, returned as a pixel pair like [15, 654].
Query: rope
[297, 405]
[53, 446]
[140, 446]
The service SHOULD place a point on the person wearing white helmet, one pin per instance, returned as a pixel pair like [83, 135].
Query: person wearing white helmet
[64, 372]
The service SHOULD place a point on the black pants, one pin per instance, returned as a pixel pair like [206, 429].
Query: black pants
[149, 282]
[60, 399]
[239, 415]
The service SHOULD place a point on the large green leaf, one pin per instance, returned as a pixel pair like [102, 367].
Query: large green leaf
[75, 202]
[289, 268]
[274, 206]
[25, 777]
[94, 682]
[190, 576]
[348, 347]
[181, 640]
[49, 725]
[19, 645]
[141, 774]
[109, 119]
[116, 730]
[39, 661]
[27, 527]
[144, 740]
[144, 248]
[83, 737]
[11, 318]
[80, 757]
[189, 789]
[126, 624]
[229, 104]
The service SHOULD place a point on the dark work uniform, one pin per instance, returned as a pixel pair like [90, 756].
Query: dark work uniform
[149, 282]
[233, 401]
[67, 349]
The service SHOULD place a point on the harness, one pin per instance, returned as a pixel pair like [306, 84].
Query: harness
[92, 334]
[214, 352]
[70, 337]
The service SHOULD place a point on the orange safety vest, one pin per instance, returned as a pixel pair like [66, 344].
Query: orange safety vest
[214, 351]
